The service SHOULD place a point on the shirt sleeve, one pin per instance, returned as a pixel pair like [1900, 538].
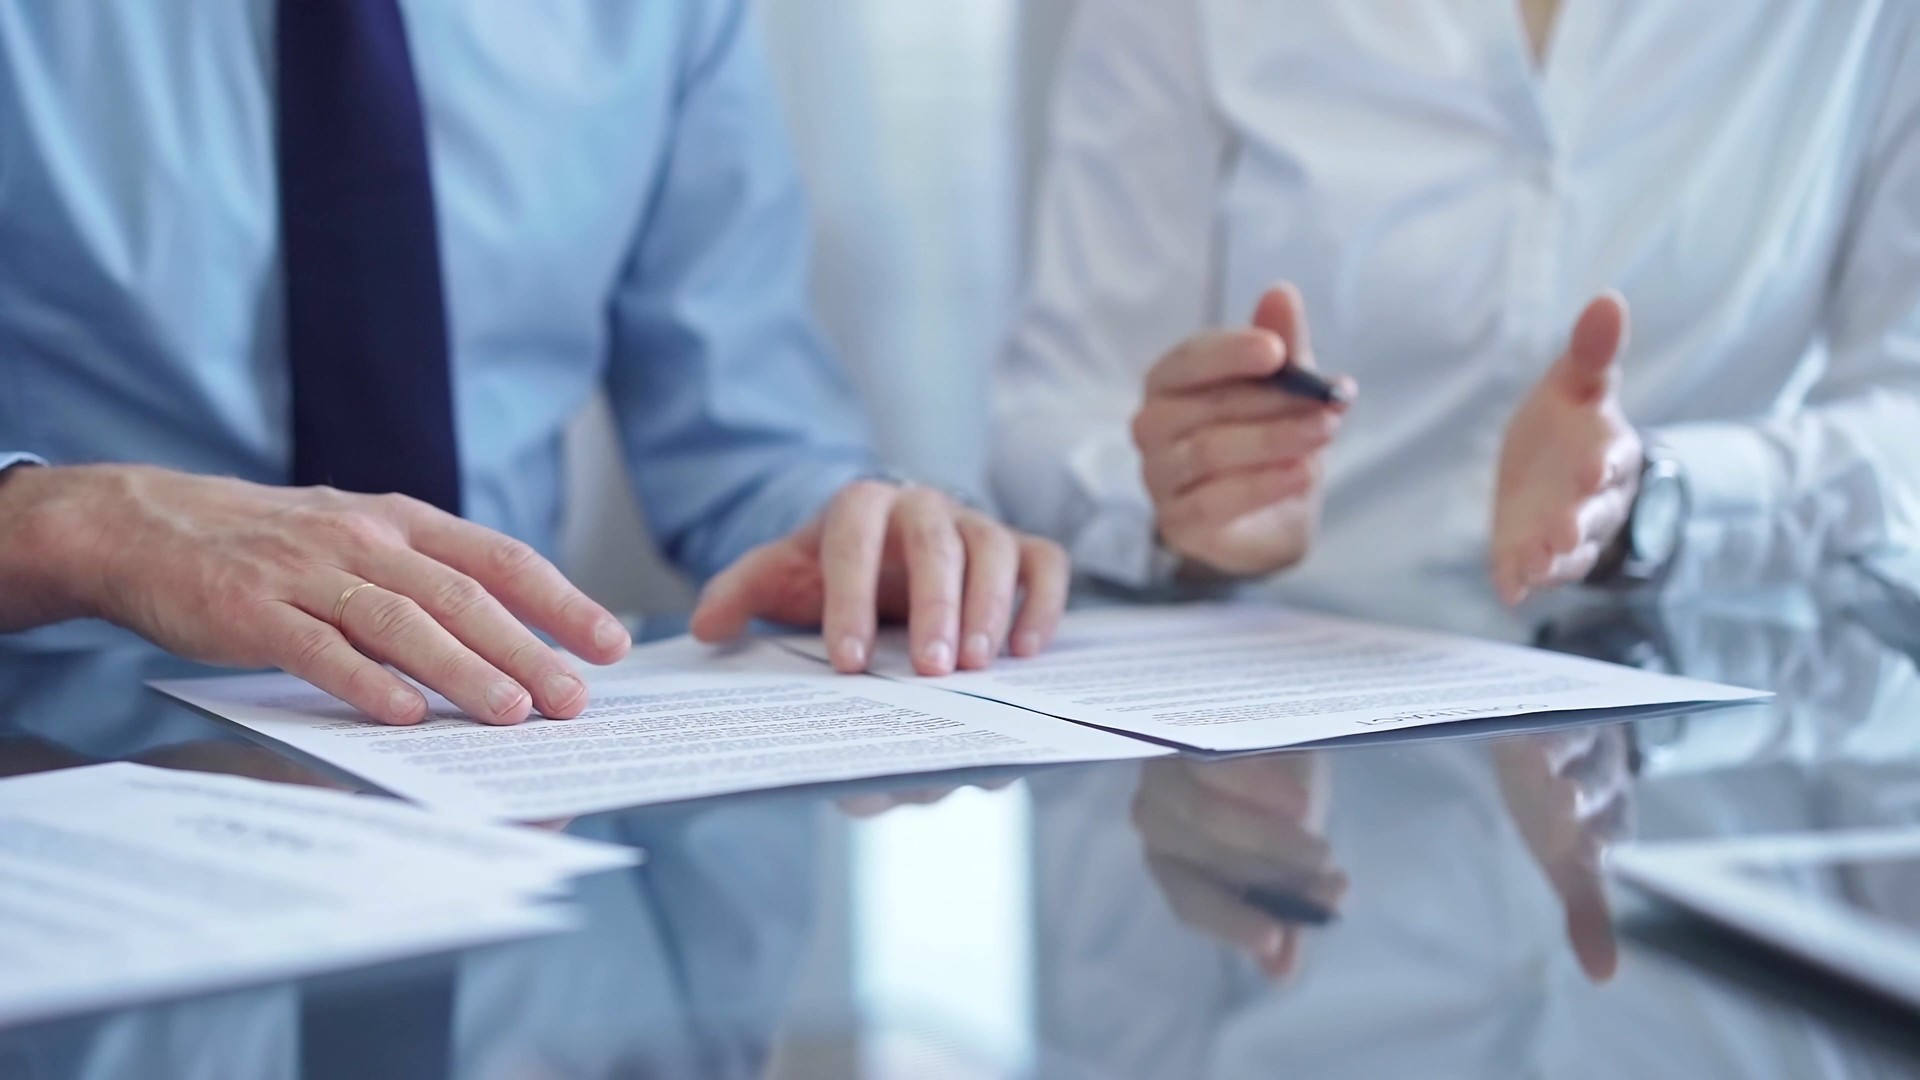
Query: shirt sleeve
[737, 423]
[10, 458]
[1122, 269]
[1839, 476]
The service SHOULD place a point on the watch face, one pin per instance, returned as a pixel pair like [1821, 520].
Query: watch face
[1657, 518]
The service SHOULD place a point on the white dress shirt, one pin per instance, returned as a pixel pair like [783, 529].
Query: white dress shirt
[1747, 173]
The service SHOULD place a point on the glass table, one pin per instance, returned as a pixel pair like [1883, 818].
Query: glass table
[1432, 906]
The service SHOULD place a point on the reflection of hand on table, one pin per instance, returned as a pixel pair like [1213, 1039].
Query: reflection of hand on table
[1570, 796]
[1215, 831]
[21, 756]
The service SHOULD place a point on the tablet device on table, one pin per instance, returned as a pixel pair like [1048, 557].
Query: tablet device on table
[1848, 902]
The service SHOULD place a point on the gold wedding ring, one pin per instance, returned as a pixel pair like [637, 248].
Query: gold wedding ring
[340, 605]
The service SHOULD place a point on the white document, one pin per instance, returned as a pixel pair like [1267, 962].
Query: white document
[1231, 677]
[120, 883]
[675, 721]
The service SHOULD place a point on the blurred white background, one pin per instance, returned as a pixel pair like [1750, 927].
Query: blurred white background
[914, 125]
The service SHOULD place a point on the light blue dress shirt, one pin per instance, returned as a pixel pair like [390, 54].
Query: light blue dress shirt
[617, 208]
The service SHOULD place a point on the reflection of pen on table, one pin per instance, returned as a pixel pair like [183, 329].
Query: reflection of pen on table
[1288, 907]
[1301, 382]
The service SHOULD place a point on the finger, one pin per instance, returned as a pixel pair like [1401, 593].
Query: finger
[1045, 576]
[1227, 498]
[992, 575]
[1587, 368]
[1286, 961]
[852, 541]
[531, 587]
[936, 564]
[1214, 357]
[1165, 420]
[1225, 448]
[482, 623]
[1215, 910]
[391, 627]
[1590, 924]
[730, 601]
[1283, 311]
[309, 649]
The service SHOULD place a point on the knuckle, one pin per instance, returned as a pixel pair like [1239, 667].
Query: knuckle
[512, 558]
[393, 616]
[528, 654]
[862, 493]
[1044, 554]
[460, 596]
[925, 502]
[364, 682]
[938, 608]
[308, 648]
[395, 504]
[348, 528]
[237, 584]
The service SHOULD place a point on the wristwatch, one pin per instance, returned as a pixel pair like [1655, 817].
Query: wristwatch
[1645, 548]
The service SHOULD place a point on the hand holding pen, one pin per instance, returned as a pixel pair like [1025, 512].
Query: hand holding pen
[1231, 436]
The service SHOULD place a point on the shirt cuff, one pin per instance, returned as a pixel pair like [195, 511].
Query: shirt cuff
[1115, 539]
[1732, 469]
[1734, 480]
[8, 459]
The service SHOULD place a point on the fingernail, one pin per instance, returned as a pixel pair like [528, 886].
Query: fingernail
[853, 651]
[402, 704]
[1026, 643]
[504, 697]
[610, 635]
[937, 656]
[562, 689]
[979, 649]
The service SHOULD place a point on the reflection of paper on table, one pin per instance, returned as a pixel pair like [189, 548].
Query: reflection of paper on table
[673, 722]
[120, 883]
[1245, 677]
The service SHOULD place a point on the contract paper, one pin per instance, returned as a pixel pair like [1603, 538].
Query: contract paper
[1233, 677]
[121, 883]
[678, 721]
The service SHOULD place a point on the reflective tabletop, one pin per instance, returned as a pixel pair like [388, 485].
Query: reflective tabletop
[1431, 906]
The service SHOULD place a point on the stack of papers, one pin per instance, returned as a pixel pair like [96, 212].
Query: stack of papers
[679, 721]
[122, 883]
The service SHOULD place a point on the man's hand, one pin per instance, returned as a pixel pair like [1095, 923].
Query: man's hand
[881, 550]
[1570, 466]
[327, 585]
[1233, 465]
[1214, 831]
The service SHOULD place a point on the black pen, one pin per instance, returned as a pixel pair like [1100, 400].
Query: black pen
[1300, 382]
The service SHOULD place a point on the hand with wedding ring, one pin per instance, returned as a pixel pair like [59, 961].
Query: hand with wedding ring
[327, 585]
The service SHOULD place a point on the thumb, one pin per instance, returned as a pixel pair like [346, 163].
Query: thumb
[1599, 338]
[1283, 312]
[1590, 927]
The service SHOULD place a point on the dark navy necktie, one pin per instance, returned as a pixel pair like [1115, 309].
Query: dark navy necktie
[366, 319]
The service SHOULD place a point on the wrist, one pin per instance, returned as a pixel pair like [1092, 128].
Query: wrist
[51, 564]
